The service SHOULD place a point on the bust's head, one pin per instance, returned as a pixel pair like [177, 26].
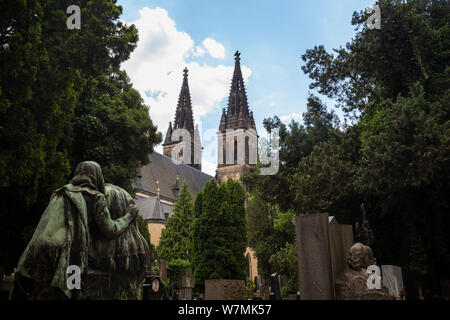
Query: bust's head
[360, 257]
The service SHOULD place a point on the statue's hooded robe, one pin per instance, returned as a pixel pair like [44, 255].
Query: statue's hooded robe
[117, 268]
[62, 236]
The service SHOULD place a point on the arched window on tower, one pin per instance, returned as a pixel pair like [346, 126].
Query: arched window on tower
[226, 147]
[247, 150]
[235, 150]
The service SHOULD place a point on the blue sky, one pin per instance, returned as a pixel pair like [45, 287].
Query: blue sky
[271, 36]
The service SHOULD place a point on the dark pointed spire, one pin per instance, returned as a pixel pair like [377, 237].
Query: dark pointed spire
[184, 118]
[223, 121]
[237, 115]
[168, 134]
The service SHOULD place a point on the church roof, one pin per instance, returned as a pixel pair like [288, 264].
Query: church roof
[151, 208]
[161, 173]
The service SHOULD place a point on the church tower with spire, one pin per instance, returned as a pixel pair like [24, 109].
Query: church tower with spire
[182, 141]
[237, 137]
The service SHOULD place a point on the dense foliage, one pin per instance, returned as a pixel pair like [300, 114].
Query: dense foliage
[393, 83]
[271, 233]
[219, 232]
[175, 245]
[63, 99]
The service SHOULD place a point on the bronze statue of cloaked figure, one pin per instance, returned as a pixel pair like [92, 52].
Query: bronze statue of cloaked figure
[74, 219]
[116, 268]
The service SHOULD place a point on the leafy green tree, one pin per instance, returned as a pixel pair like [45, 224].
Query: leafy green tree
[396, 78]
[50, 76]
[394, 84]
[219, 233]
[235, 227]
[176, 238]
[269, 232]
[285, 262]
[296, 142]
[112, 127]
[260, 230]
[410, 47]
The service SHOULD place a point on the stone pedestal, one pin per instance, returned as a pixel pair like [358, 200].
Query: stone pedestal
[352, 285]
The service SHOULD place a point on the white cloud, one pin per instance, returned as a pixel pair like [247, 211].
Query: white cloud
[209, 167]
[198, 51]
[156, 69]
[214, 48]
[290, 117]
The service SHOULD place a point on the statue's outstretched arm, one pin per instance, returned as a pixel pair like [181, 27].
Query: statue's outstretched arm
[112, 228]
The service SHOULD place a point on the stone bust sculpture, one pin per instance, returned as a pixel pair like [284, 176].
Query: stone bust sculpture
[352, 285]
[360, 257]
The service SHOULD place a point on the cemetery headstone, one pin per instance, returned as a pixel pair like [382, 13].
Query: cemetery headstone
[275, 293]
[163, 271]
[445, 289]
[185, 283]
[223, 289]
[314, 257]
[392, 279]
[341, 239]
[152, 287]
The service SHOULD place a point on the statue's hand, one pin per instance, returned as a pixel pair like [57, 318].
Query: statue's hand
[133, 211]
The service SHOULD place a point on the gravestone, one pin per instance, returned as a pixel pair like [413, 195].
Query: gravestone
[392, 279]
[283, 280]
[163, 271]
[293, 296]
[259, 286]
[185, 283]
[314, 257]
[222, 289]
[275, 293]
[341, 239]
[445, 289]
[6, 286]
[152, 287]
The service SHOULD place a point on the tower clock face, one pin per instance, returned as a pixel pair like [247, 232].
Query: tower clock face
[155, 285]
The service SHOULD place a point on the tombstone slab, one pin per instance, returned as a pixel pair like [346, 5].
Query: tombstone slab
[314, 257]
[222, 289]
[163, 271]
[392, 279]
[341, 239]
[185, 279]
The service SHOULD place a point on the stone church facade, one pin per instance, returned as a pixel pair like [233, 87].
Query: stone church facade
[158, 182]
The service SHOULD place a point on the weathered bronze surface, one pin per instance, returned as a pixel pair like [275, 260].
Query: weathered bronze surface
[89, 225]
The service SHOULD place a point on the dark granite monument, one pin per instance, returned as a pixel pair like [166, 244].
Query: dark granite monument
[315, 269]
[220, 289]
